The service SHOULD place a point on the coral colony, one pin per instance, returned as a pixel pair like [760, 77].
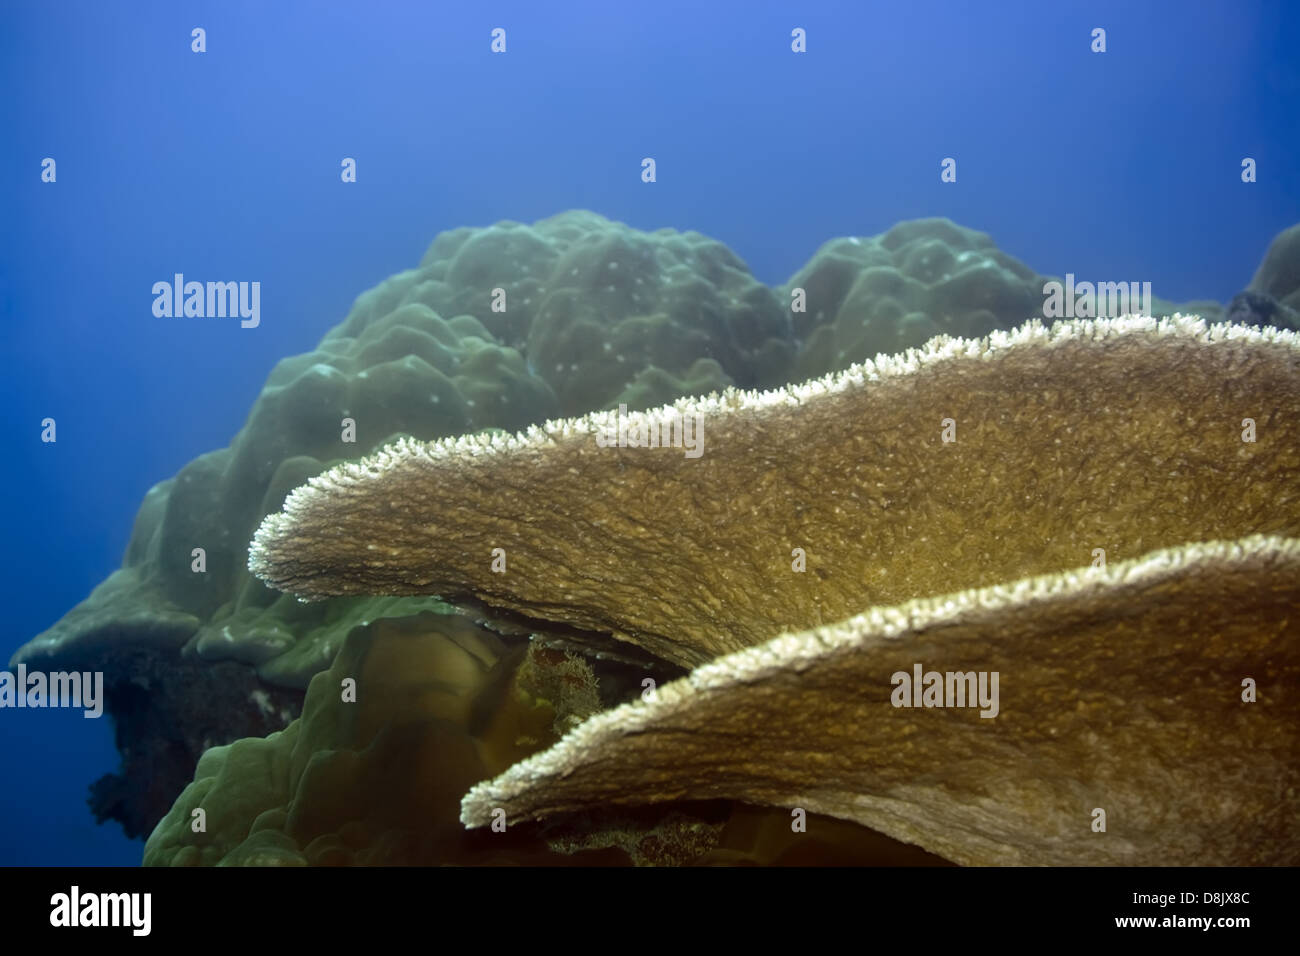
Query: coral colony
[963, 531]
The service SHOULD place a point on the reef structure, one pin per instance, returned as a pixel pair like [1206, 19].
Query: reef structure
[600, 315]
[965, 466]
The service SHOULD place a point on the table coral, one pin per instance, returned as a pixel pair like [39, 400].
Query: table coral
[1121, 690]
[1123, 435]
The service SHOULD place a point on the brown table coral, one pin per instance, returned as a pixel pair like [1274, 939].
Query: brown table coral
[964, 465]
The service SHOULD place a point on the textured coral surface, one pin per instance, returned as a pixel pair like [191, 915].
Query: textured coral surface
[595, 314]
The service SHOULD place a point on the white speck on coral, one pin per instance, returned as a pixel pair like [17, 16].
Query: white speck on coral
[263, 701]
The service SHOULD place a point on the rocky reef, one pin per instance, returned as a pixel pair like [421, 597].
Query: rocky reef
[497, 329]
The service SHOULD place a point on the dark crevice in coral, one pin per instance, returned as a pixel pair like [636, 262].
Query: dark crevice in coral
[597, 645]
[166, 710]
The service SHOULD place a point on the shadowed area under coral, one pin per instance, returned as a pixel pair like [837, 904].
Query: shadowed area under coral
[373, 775]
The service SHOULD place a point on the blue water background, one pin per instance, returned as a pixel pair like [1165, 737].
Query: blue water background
[225, 165]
